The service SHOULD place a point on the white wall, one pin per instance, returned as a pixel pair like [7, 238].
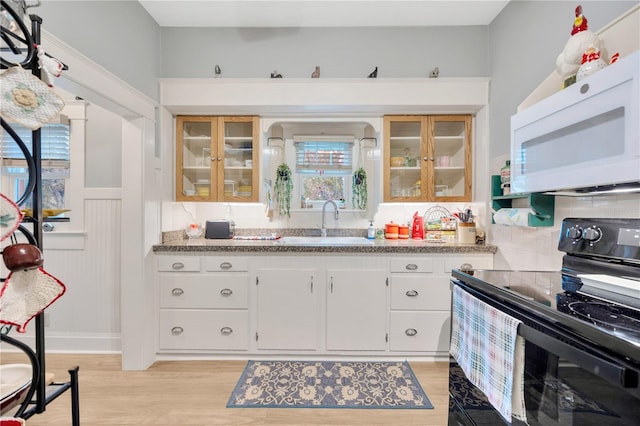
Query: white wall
[103, 147]
[119, 35]
[340, 52]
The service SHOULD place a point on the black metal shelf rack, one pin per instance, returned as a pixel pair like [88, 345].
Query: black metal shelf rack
[40, 392]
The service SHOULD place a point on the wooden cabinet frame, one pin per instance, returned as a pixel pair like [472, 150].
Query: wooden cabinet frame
[427, 171]
[214, 173]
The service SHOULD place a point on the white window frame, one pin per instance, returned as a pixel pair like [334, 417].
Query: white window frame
[71, 234]
[299, 177]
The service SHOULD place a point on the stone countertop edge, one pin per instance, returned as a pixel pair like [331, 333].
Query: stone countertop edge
[201, 245]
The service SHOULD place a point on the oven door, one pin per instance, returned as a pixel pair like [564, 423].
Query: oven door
[561, 386]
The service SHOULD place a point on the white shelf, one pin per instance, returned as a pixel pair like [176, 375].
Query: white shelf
[448, 138]
[405, 168]
[197, 138]
[404, 138]
[196, 168]
[269, 96]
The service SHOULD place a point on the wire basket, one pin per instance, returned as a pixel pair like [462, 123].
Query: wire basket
[435, 213]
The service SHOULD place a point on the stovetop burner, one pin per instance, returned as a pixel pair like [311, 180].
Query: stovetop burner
[621, 320]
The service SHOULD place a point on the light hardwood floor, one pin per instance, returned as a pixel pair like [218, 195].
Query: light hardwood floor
[195, 393]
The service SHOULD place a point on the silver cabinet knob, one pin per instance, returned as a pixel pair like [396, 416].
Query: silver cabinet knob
[177, 330]
[225, 331]
[411, 332]
[226, 266]
[177, 265]
[226, 292]
[412, 293]
[177, 291]
[411, 267]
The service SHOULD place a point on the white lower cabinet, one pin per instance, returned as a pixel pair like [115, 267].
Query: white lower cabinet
[356, 310]
[287, 309]
[420, 306]
[307, 304]
[205, 329]
[203, 308]
[417, 331]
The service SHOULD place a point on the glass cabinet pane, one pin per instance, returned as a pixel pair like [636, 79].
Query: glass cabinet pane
[405, 147]
[196, 158]
[427, 158]
[238, 159]
[449, 152]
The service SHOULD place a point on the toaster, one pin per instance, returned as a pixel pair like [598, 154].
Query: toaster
[219, 229]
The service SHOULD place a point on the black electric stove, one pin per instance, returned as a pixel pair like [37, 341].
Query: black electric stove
[590, 329]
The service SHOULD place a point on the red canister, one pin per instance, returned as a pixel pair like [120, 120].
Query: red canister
[391, 231]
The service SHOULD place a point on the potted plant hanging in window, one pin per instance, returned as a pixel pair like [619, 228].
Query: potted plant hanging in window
[359, 189]
[282, 190]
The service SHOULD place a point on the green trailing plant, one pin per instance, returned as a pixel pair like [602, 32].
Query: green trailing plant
[359, 189]
[283, 188]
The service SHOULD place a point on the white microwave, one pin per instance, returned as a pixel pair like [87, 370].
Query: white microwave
[585, 137]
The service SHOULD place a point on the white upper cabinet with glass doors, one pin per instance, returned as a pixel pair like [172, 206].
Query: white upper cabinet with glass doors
[217, 158]
[427, 158]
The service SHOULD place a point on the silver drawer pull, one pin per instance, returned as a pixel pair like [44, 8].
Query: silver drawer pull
[411, 267]
[177, 291]
[226, 292]
[225, 331]
[177, 265]
[412, 293]
[226, 265]
[177, 330]
[411, 332]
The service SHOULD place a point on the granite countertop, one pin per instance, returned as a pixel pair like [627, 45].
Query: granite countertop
[176, 242]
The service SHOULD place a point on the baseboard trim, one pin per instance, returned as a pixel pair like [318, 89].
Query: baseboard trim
[70, 343]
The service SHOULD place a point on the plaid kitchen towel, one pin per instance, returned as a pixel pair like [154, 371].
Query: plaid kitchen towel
[486, 344]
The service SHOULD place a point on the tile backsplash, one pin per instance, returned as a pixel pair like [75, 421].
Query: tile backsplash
[176, 215]
[528, 248]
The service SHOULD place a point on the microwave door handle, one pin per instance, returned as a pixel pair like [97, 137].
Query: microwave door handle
[608, 369]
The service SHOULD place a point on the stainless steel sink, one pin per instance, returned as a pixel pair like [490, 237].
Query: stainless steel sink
[326, 241]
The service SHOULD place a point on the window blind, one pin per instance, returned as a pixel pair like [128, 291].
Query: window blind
[322, 156]
[54, 145]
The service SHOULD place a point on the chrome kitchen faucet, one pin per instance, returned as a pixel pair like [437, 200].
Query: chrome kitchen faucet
[323, 230]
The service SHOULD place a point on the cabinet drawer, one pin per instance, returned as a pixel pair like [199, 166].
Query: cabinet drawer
[225, 264]
[218, 291]
[419, 331]
[411, 265]
[178, 264]
[420, 293]
[204, 329]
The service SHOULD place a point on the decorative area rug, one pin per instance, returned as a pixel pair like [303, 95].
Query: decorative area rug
[324, 384]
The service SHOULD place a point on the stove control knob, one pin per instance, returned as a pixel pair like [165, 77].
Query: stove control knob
[575, 233]
[592, 234]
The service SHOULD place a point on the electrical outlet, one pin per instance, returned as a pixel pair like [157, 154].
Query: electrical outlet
[47, 319]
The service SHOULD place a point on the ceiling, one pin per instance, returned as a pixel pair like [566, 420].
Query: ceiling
[325, 13]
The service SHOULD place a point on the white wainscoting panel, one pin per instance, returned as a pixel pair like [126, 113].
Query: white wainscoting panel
[87, 317]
